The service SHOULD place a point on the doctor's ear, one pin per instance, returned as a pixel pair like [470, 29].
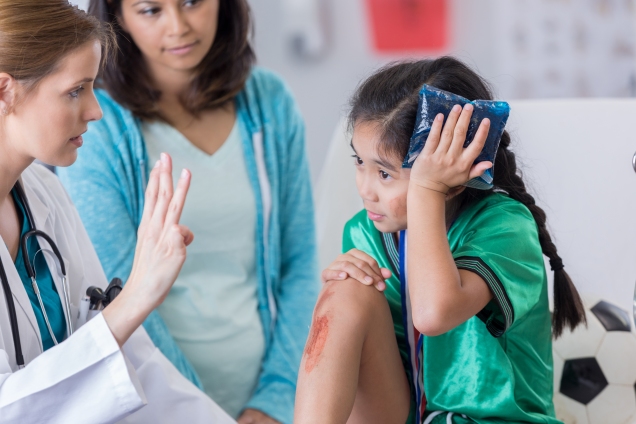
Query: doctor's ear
[8, 93]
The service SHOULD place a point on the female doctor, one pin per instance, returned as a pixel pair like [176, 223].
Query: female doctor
[50, 370]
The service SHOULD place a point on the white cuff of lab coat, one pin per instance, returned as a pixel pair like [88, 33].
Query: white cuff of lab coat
[128, 392]
[86, 378]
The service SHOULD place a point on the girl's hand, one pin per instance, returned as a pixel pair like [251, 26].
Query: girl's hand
[160, 252]
[253, 416]
[359, 266]
[444, 163]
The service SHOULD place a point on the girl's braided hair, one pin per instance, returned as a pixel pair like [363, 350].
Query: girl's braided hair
[390, 98]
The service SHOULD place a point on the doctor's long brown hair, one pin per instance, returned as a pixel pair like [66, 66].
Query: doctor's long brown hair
[390, 98]
[36, 34]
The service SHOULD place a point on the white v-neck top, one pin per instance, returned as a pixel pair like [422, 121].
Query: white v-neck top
[212, 310]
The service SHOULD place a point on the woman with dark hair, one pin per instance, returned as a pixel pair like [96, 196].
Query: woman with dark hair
[184, 82]
[458, 329]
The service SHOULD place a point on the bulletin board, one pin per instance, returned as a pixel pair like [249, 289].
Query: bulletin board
[565, 48]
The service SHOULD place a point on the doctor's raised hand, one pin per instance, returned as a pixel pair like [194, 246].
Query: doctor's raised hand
[160, 252]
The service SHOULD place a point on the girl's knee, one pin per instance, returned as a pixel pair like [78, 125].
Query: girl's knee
[349, 299]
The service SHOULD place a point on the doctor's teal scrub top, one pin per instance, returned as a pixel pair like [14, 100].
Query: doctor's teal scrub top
[48, 291]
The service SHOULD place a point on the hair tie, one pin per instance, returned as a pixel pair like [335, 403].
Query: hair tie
[556, 264]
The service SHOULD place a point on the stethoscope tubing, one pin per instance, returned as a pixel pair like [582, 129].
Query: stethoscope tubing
[34, 232]
[31, 273]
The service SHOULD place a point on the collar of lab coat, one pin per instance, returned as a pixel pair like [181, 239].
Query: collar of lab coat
[21, 301]
[43, 221]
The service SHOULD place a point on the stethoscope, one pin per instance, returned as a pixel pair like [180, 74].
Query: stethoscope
[31, 273]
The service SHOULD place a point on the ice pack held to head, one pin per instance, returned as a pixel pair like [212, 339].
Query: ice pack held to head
[434, 101]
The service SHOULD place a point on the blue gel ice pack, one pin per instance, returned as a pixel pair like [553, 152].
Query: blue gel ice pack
[434, 101]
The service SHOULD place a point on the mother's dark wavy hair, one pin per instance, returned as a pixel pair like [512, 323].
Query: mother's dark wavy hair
[390, 98]
[218, 78]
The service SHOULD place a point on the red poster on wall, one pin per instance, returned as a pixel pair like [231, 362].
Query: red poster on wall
[408, 25]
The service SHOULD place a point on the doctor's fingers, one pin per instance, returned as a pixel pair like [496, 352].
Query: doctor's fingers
[150, 197]
[164, 196]
[169, 251]
[179, 236]
[187, 234]
[178, 199]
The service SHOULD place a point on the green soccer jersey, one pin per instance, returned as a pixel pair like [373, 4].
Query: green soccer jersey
[497, 366]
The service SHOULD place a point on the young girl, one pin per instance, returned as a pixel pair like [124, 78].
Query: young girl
[184, 82]
[467, 315]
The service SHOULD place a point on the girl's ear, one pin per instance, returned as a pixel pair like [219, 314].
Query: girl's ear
[8, 94]
[454, 192]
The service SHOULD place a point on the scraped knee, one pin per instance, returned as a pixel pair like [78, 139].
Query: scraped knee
[349, 299]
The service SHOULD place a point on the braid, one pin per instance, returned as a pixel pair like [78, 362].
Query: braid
[568, 308]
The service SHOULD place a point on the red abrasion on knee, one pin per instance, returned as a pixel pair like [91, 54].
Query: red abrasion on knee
[316, 342]
[323, 298]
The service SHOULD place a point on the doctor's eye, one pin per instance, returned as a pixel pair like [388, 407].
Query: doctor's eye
[75, 93]
[357, 160]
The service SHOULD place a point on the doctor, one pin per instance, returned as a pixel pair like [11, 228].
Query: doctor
[51, 369]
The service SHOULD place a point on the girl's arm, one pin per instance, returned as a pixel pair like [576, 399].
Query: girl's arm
[442, 297]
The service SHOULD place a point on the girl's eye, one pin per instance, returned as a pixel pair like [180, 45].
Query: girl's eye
[190, 3]
[384, 175]
[75, 94]
[357, 159]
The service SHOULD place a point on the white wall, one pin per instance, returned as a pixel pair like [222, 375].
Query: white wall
[323, 87]
[576, 159]
[83, 4]
[525, 49]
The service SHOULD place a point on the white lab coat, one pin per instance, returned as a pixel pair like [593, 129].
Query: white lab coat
[86, 378]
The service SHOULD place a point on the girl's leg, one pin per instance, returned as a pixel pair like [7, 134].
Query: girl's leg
[351, 371]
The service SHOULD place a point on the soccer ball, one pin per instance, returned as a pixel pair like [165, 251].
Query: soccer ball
[595, 368]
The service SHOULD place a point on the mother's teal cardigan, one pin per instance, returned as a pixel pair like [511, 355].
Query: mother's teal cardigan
[107, 185]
